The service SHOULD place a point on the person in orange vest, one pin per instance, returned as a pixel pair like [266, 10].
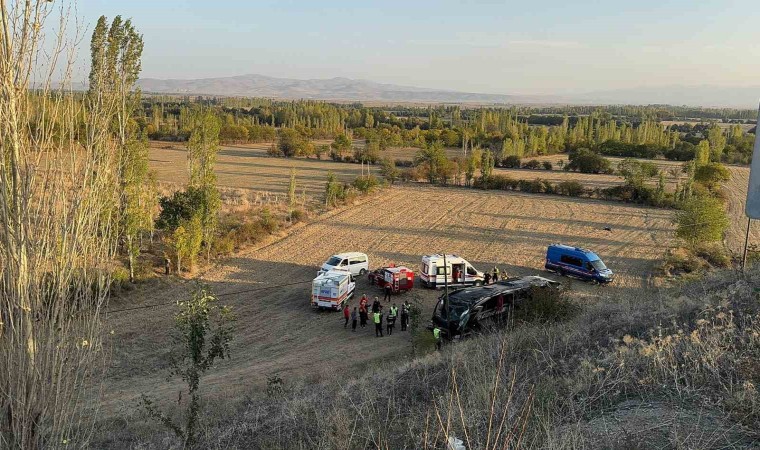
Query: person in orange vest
[346, 315]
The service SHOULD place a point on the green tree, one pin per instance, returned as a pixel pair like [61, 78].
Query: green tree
[116, 53]
[292, 143]
[702, 153]
[389, 171]
[586, 161]
[432, 158]
[203, 146]
[712, 174]
[292, 193]
[334, 190]
[341, 145]
[486, 167]
[202, 334]
[717, 141]
[701, 219]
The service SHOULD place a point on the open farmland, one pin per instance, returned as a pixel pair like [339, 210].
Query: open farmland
[249, 167]
[736, 193]
[278, 332]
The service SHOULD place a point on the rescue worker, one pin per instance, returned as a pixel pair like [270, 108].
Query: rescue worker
[495, 276]
[376, 305]
[353, 320]
[404, 315]
[363, 311]
[346, 314]
[437, 336]
[378, 319]
[391, 321]
[487, 278]
[388, 291]
[455, 275]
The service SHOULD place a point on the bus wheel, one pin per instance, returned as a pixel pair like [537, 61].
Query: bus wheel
[478, 283]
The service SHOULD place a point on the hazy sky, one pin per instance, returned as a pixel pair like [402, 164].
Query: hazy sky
[545, 46]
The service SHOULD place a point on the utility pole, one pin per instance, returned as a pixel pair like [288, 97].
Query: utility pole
[446, 294]
[746, 241]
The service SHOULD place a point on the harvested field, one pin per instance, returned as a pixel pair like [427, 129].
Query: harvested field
[279, 333]
[557, 176]
[249, 167]
[736, 192]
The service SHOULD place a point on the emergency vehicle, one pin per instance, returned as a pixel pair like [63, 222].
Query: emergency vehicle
[400, 278]
[331, 289]
[457, 272]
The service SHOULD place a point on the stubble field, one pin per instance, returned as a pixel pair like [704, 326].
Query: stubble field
[279, 333]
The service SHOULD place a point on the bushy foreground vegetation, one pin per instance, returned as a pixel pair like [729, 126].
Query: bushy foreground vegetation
[672, 368]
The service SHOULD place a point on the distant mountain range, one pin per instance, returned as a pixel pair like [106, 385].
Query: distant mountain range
[321, 89]
[346, 89]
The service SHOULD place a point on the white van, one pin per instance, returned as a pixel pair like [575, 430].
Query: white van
[457, 272]
[332, 289]
[355, 262]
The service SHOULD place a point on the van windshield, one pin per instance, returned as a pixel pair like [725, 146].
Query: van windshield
[334, 261]
[598, 265]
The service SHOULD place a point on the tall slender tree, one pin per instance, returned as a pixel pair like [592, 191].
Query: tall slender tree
[203, 146]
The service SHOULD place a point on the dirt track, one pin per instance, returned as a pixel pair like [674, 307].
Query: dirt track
[279, 333]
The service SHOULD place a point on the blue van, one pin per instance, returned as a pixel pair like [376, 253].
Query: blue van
[577, 262]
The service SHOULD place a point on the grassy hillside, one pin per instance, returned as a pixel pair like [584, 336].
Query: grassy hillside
[674, 368]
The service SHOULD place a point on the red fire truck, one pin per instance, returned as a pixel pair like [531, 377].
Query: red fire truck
[400, 278]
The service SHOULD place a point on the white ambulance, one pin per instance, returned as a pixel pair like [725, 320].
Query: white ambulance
[331, 289]
[457, 272]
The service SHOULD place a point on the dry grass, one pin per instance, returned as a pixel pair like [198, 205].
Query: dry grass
[670, 369]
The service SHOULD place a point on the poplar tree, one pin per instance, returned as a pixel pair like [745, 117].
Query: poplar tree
[203, 146]
[115, 66]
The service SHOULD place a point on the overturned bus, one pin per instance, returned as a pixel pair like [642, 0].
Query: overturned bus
[472, 309]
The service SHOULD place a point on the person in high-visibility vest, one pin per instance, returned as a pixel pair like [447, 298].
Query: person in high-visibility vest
[495, 276]
[378, 319]
[437, 336]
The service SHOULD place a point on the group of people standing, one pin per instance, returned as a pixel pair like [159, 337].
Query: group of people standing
[361, 314]
[494, 276]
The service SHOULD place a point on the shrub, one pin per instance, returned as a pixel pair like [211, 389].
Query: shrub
[511, 162]
[268, 222]
[533, 186]
[547, 165]
[182, 205]
[545, 305]
[714, 253]
[291, 143]
[389, 171]
[119, 279]
[297, 215]
[532, 164]
[701, 220]
[497, 181]
[712, 174]
[586, 161]
[365, 185]
[570, 188]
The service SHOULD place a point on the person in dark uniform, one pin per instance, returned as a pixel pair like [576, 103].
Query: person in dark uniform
[388, 291]
[376, 305]
[353, 319]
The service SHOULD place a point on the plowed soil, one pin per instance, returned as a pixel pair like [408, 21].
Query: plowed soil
[279, 333]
